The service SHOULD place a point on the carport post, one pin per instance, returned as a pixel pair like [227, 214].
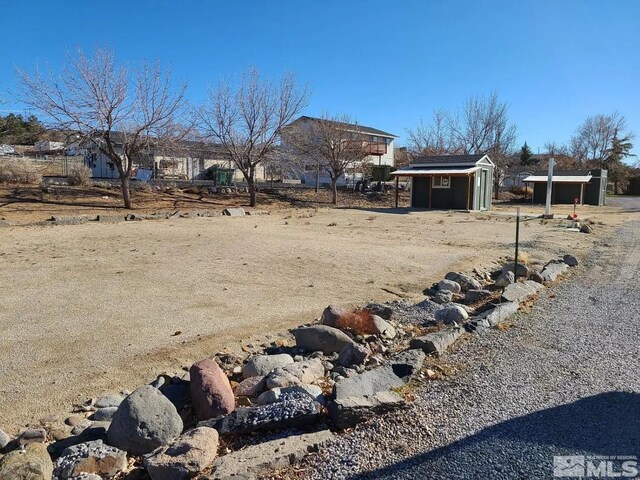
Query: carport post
[397, 184]
[582, 194]
[547, 210]
[468, 191]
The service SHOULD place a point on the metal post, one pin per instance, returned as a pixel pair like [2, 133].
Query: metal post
[547, 210]
[397, 186]
[515, 263]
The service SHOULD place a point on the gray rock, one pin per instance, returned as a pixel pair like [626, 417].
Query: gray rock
[251, 461]
[452, 314]
[477, 325]
[367, 383]
[383, 311]
[523, 270]
[104, 414]
[294, 410]
[111, 218]
[383, 328]
[4, 439]
[32, 435]
[449, 286]
[407, 364]
[570, 260]
[553, 270]
[436, 342]
[262, 365]
[145, 420]
[344, 372]
[586, 228]
[234, 212]
[348, 412]
[188, 455]
[178, 394]
[353, 354]
[277, 394]
[473, 295]
[92, 457]
[535, 276]
[251, 386]
[464, 281]
[297, 373]
[505, 279]
[321, 338]
[32, 463]
[110, 400]
[500, 313]
[443, 296]
[517, 292]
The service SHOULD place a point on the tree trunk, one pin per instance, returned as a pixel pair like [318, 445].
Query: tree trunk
[334, 191]
[317, 177]
[126, 191]
[252, 191]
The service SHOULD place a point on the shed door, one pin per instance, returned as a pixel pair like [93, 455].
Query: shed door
[483, 189]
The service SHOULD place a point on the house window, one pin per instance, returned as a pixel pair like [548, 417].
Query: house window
[440, 181]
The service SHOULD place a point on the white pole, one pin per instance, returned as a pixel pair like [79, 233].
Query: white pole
[547, 210]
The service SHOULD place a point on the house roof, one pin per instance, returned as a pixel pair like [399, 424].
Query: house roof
[418, 172]
[559, 178]
[447, 160]
[350, 126]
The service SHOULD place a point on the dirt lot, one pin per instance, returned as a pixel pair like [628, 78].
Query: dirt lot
[95, 307]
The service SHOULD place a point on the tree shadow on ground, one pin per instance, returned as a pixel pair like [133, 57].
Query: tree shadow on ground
[607, 424]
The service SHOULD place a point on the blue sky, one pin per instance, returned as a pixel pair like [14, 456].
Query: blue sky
[388, 64]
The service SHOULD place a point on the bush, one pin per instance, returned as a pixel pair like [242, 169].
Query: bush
[519, 190]
[79, 175]
[141, 187]
[19, 171]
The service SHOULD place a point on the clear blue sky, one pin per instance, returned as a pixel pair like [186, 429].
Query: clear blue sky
[385, 63]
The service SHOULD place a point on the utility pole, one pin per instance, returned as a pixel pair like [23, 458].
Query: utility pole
[547, 210]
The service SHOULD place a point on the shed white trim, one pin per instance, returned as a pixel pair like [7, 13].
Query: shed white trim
[416, 172]
[559, 178]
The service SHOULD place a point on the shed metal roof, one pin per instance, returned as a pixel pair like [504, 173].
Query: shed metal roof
[432, 160]
[559, 179]
[416, 172]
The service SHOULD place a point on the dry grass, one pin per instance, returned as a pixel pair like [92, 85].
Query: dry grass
[79, 175]
[19, 172]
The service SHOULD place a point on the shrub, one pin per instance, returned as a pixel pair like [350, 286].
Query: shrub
[79, 175]
[520, 190]
[141, 187]
[19, 171]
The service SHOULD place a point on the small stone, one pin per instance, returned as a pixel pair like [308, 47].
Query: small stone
[586, 228]
[380, 310]
[570, 260]
[4, 439]
[443, 296]
[464, 281]
[353, 355]
[104, 414]
[505, 279]
[110, 400]
[73, 420]
[450, 315]
[523, 270]
[436, 342]
[536, 277]
[251, 386]
[449, 286]
[277, 394]
[473, 295]
[262, 365]
[32, 435]
[296, 373]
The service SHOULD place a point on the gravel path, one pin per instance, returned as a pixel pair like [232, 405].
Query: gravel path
[562, 381]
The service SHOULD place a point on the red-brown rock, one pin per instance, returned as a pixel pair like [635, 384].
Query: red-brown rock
[211, 391]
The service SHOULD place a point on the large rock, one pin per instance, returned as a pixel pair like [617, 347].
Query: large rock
[307, 371]
[91, 457]
[383, 311]
[443, 296]
[332, 314]
[452, 314]
[570, 260]
[265, 457]
[505, 279]
[353, 355]
[553, 270]
[109, 400]
[517, 292]
[464, 281]
[264, 364]
[476, 295]
[407, 364]
[499, 313]
[278, 394]
[523, 270]
[367, 383]
[322, 338]
[104, 414]
[295, 409]
[436, 342]
[211, 391]
[449, 286]
[347, 412]
[251, 386]
[144, 421]
[32, 463]
[188, 455]
[32, 435]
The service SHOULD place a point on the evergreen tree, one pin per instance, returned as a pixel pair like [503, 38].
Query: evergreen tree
[619, 150]
[526, 155]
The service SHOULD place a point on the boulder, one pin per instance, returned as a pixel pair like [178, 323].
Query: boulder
[353, 354]
[499, 313]
[295, 409]
[449, 286]
[109, 400]
[523, 270]
[92, 457]
[31, 463]
[436, 342]
[104, 414]
[517, 292]
[211, 391]
[347, 412]
[382, 311]
[262, 365]
[452, 314]
[535, 276]
[32, 435]
[277, 394]
[297, 373]
[250, 387]
[367, 383]
[332, 314]
[586, 228]
[553, 270]
[407, 364]
[464, 281]
[570, 260]
[254, 460]
[505, 279]
[190, 454]
[383, 328]
[443, 296]
[472, 295]
[144, 421]
[322, 338]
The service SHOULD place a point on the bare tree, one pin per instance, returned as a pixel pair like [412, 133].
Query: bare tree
[334, 143]
[247, 120]
[593, 139]
[433, 138]
[109, 105]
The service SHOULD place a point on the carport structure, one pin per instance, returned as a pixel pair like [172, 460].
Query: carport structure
[457, 182]
[587, 186]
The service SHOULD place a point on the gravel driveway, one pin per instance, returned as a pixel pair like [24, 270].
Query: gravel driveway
[562, 381]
